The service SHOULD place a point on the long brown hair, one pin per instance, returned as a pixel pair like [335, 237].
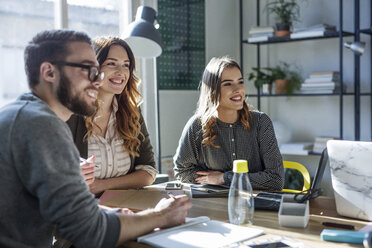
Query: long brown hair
[127, 116]
[209, 99]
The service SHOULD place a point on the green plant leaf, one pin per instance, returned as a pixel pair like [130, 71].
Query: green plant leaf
[287, 11]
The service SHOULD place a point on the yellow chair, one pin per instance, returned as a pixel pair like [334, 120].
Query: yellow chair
[304, 172]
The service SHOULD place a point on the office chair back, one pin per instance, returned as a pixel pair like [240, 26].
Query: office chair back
[304, 172]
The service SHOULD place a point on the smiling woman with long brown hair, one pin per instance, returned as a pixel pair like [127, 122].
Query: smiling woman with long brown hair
[224, 129]
[116, 134]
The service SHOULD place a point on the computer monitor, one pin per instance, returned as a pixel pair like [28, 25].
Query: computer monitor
[351, 173]
[271, 201]
[320, 171]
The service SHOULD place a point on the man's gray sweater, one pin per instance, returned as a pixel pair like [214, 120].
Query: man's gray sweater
[40, 182]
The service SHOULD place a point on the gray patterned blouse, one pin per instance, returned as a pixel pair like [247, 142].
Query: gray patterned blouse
[258, 146]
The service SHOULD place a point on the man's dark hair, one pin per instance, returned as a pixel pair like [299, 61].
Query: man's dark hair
[49, 45]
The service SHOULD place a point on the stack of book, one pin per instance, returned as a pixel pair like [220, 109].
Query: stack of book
[322, 82]
[259, 34]
[321, 143]
[313, 31]
[298, 148]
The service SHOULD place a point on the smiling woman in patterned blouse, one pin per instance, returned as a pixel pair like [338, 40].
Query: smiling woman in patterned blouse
[116, 134]
[224, 129]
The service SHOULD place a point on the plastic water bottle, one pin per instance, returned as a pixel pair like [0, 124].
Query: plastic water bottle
[241, 201]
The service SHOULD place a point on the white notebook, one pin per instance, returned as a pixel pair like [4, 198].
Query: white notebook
[200, 232]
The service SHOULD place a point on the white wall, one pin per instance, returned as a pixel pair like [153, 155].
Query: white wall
[222, 29]
[176, 107]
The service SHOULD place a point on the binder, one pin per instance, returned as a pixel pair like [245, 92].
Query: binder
[209, 191]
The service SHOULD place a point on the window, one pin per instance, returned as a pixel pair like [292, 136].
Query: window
[22, 19]
[95, 17]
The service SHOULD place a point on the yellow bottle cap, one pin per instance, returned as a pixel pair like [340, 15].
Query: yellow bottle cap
[240, 166]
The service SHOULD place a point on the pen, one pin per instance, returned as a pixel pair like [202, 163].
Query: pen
[86, 161]
[171, 195]
[338, 225]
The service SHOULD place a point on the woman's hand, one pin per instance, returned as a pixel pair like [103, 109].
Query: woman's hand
[210, 177]
[97, 186]
[87, 170]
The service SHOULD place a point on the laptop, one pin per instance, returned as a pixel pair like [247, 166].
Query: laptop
[271, 200]
[351, 173]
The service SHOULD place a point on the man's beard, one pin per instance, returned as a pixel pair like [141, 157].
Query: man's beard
[73, 103]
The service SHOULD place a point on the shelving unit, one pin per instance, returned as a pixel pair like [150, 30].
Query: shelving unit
[329, 35]
[367, 31]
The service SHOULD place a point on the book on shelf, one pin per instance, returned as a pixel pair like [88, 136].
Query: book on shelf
[321, 84]
[320, 143]
[332, 76]
[200, 232]
[268, 38]
[307, 34]
[317, 27]
[324, 73]
[321, 79]
[296, 148]
[311, 81]
[322, 90]
[258, 39]
[262, 34]
[261, 29]
[313, 31]
[317, 91]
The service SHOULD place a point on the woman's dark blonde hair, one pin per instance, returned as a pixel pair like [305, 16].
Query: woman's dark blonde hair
[127, 116]
[209, 99]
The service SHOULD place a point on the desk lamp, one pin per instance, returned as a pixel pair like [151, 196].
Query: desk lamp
[145, 41]
[357, 47]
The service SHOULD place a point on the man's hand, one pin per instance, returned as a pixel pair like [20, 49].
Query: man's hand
[87, 168]
[210, 177]
[167, 213]
[117, 210]
[174, 210]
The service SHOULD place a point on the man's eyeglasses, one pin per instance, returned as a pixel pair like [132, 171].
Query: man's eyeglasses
[93, 71]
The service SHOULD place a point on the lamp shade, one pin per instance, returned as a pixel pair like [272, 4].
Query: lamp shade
[141, 35]
[357, 47]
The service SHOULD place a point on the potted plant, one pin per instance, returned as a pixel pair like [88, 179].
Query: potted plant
[286, 11]
[287, 80]
[261, 79]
